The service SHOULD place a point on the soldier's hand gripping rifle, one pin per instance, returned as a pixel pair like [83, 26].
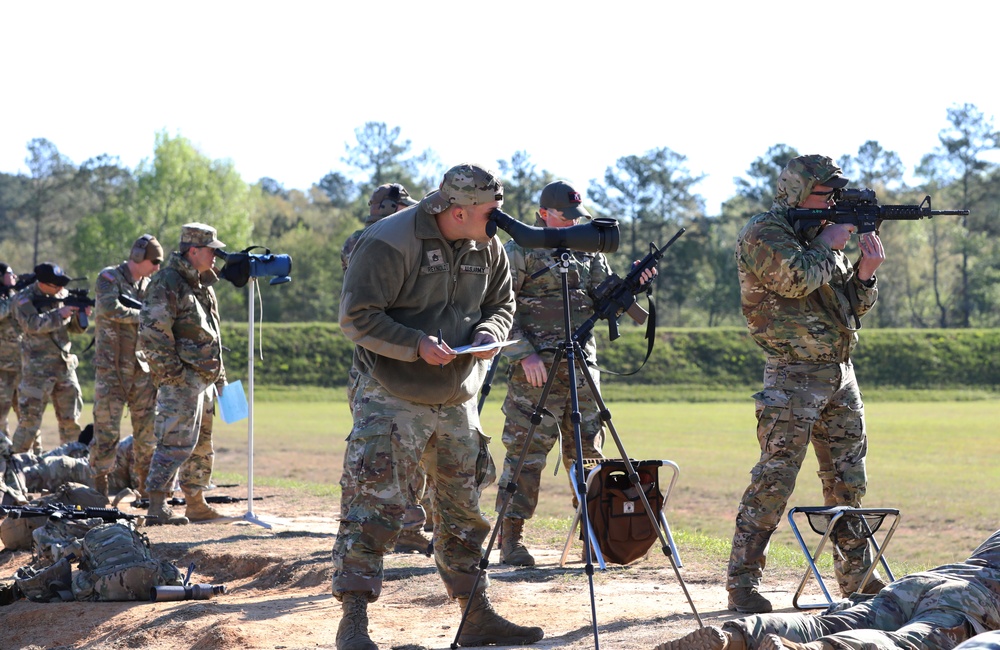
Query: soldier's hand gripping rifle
[860, 207]
[616, 295]
[61, 511]
[79, 298]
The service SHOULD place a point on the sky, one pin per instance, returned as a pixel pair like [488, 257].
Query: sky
[279, 88]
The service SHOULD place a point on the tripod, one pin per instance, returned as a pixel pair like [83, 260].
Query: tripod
[572, 350]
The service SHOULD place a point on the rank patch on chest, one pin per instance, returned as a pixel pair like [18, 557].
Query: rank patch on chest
[434, 256]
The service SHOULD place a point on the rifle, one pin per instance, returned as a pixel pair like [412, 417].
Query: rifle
[180, 501]
[62, 511]
[78, 298]
[617, 295]
[860, 207]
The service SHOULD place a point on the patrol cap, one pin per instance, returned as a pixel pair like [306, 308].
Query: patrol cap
[561, 196]
[50, 273]
[199, 234]
[386, 200]
[465, 184]
[821, 169]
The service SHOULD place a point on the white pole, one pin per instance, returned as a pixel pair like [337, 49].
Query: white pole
[249, 516]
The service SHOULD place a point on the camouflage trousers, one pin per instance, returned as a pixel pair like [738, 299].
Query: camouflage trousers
[113, 389]
[520, 403]
[803, 403]
[183, 430]
[922, 611]
[418, 503]
[9, 379]
[391, 436]
[123, 474]
[38, 385]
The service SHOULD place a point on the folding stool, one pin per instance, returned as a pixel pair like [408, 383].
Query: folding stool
[824, 521]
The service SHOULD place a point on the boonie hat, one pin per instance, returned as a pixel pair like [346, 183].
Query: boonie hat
[465, 184]
[386, 200]
[561, 196]
[821, 168]
[50, 273]
[199, 234]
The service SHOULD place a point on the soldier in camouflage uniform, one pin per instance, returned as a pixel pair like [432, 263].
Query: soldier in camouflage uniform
[120, 376]
[930, 610]
[48, 368]
[538, 327]
[386, 200]
[10, 348]
[123, 474]
[800, 295]
[430, 274]
[180, 336]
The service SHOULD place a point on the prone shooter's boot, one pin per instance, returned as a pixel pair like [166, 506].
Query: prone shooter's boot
[197, 509]
[352, 634]
[160, 513]
[485, 627]
[512, 548]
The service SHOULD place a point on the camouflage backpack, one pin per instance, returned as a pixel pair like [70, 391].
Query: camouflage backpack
[117, 564]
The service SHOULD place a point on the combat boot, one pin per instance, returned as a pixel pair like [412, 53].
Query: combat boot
[747, 600]
[352, 634]
[706, 638]
[101, 484]
[512, 549]
[410, 541]
[196, 509]
[160, 513]
[484, 626]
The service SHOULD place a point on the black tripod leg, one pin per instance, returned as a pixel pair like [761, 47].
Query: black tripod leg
[507, 491]
[633, 477]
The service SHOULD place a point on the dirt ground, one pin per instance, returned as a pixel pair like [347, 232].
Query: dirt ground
[278, 594]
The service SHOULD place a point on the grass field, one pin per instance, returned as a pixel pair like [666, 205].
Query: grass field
[934, 460]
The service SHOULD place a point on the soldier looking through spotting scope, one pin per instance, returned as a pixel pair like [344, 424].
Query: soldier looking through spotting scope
[538, 328]
[799, 294]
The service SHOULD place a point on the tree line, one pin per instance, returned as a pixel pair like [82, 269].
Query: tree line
[940, 272]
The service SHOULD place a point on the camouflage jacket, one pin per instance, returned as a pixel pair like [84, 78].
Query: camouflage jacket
[798, 298]
[117, 326]
[10, 335]
[44, 334]
[406, 281]
[179, 326]
[538, 320]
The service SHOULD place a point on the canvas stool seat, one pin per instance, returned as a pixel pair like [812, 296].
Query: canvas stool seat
[824, 521]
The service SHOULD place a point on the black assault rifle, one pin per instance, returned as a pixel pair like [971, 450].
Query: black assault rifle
[181, 501]
[616, 295]
[79, 298]
[861, 208]
[62, 511]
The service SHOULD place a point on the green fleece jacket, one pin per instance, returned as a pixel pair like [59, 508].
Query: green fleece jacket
[406, 281]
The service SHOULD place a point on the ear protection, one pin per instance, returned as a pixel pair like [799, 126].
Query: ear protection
[138, 253]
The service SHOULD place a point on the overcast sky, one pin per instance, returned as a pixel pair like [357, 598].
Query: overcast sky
[279, 88]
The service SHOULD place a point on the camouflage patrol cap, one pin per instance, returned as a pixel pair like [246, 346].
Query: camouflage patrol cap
[464, 184]
[199, 234]
[386, 200]
[802, 174]
[561, 196]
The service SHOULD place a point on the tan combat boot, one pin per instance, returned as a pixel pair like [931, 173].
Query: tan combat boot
[352, 634]
[512, 549]
[197, 509]
[706, 638]
[484, 626]
[160, 513]
[410, 541]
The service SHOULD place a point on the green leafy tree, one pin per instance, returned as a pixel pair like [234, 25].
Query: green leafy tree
[874, 167]
[758, 187]
[522, 186]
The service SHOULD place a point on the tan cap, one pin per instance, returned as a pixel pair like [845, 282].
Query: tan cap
[199, 234]
[464, 184]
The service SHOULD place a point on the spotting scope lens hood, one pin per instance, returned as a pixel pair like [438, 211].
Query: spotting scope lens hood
[599, 235]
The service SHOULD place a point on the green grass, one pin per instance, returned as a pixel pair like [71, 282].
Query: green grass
[934, 460]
